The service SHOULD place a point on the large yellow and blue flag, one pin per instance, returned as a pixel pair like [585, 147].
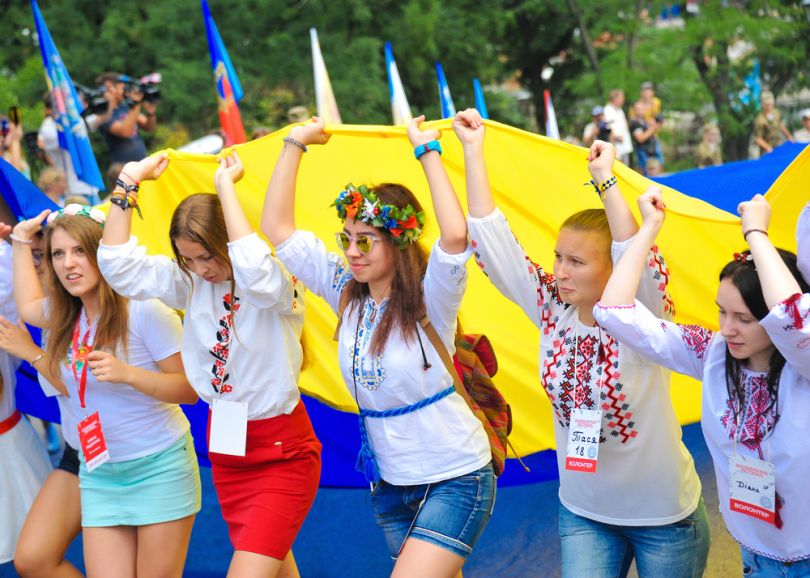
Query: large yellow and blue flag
[67, 108]
[229, 91]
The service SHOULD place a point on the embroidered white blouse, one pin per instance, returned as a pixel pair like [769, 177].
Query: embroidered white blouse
[438, 442]
[700, 353]
[645, 476]
[246, 346]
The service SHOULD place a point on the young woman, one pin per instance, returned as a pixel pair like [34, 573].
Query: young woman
[424, 451]
[242, 351]
[120, 363]
[24, 458]
[55, 518]
[628, 486]
[756, 382]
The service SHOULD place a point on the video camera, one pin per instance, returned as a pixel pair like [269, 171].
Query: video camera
[604, 131]
[95, 103]
[148, 85]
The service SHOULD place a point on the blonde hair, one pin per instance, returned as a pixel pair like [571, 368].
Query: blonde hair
[49, 177]
[64, 308]
[591, 221]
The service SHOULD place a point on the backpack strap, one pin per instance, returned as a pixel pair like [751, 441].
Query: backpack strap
[441, 349]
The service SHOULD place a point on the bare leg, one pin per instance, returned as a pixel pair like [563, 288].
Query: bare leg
[110, 551]
[252, 565]
[162, 548]
[289, 569]
[54, 521]
[419, 558]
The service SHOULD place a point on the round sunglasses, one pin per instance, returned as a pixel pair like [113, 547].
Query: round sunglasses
[364, 242]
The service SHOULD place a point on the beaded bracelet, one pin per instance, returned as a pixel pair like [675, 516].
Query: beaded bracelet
[299, 144]
[16, 239]
[749, 231]
[602, 187]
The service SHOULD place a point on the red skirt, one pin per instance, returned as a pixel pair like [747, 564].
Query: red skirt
[266, 494]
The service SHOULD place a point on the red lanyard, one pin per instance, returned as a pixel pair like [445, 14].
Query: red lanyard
[78, 353]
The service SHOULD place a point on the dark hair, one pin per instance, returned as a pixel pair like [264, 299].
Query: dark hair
[114, 77]
[743, 274]
[406, 305]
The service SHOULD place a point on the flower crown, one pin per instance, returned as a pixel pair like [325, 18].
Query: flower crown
[76, 210]
[361, 203]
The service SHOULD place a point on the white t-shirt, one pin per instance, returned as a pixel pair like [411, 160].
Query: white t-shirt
[437, 442]
[261, 362]
[134, 424]
[698, 352]
[617, 121]
[645, 475]
[60, 158]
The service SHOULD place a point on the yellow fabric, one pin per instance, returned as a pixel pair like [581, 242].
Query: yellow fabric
[537, 183]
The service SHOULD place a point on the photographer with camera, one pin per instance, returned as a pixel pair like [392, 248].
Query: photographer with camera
[597, 129]
[645, 140]
[129, 113]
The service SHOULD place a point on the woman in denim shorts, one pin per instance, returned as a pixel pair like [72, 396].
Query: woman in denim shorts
[425, 454]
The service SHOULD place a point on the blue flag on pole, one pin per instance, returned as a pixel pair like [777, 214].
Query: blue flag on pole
[67, 109]
[448, 109]
[400, 110]
[480, 103]
[219, 54]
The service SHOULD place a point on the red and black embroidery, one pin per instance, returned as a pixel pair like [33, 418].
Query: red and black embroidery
[696, 339]
[220, 351]
[757, 419]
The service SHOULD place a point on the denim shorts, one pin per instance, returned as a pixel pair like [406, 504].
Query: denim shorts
[759, 566]
[451, 514]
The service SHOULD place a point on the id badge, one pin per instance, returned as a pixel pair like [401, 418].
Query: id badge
[228, 427]
[91, 438]
[584, 432]
[752, 487]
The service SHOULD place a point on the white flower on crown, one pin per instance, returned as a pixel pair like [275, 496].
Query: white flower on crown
[98, 216]
[369, 209]
[72, 209]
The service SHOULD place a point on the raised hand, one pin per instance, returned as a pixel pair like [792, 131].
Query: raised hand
[230, 169]
[652, 207]
[417, 136]
[314, 132]
[108, 368]
[25, 230]
[600, 160]
[148, 169]
[469, 127]
[755, 214]
[5, 230]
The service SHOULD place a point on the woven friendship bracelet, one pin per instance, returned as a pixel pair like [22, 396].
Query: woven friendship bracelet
[296, 143]
[602, 187]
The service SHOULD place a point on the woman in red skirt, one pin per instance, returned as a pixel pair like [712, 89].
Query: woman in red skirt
[242, 352]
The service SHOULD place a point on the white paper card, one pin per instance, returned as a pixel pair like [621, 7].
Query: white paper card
[228, 427]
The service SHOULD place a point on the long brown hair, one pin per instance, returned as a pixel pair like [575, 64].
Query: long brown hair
[64, 308]
[199, 219]
[406, 305]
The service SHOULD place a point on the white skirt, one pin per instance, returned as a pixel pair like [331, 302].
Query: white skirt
[24, 465]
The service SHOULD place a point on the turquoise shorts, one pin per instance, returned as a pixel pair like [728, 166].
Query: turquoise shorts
[160, 487]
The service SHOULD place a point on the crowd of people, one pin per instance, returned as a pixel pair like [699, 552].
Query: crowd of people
[638, 140]
[118, 360]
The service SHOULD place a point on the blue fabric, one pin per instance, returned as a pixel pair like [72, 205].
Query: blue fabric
[445, 99]
[480, 102]
[726, 186]
[757, 566]
[67, 108]
[218, 53]
[599, 550]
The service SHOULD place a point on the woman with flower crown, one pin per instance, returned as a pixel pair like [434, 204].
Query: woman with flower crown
[756, 380]
[425, 454]
[242, 352]
[120, 365]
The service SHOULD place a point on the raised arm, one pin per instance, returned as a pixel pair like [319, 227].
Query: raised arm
[230, 171]
[118, 226]
[452, 223]
[601, 157]
[776, 279]
[469, 129]
[803, 242]
[28, 293]
[278, 214]
[623, 284]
